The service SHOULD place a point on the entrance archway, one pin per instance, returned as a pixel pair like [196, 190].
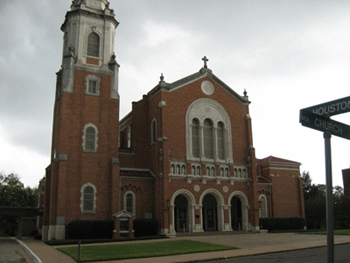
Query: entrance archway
[236, 213]
[209, 213]
[181, 214]
[182, 205]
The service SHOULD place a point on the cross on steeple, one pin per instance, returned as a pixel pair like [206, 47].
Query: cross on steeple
[205, 61]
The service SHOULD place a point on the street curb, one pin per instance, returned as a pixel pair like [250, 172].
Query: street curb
[31, 253]
[258, 254]
[204, 260]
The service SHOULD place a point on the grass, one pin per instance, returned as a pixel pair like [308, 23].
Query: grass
[139, 250]
[336, 232]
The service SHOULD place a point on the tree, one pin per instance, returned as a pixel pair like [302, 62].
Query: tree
[310, 190]
[13, 193]
[315, 204]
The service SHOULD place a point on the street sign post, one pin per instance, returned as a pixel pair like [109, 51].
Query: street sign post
[317, 117]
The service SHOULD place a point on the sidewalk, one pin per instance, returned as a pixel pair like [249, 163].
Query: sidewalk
[249, 244]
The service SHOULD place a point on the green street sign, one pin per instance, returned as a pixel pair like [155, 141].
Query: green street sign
[324, 124]
[317, 117]
[331, 108]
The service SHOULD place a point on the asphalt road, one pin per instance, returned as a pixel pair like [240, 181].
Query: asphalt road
[12, 252]
[314, 255]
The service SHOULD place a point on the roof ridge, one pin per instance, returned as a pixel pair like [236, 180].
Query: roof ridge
[272, 158]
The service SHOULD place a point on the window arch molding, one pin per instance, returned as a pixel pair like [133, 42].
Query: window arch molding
[89, 139]
[88, 199]
[127, 206]
[201, 110]
[93, 44]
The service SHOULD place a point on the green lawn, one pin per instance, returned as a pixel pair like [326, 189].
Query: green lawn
[138, 250]
[336, 232]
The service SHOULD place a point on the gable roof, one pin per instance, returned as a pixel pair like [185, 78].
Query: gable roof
[276, 160]
[203, 72]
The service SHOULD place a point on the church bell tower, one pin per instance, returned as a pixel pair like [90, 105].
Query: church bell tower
[83, 177]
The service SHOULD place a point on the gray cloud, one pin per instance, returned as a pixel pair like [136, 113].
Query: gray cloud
[283, 52]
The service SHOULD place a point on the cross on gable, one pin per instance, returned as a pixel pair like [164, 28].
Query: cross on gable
[205, 61]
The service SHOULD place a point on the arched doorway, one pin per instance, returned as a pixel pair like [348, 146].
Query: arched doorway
[236, 213]
[210, 217]
[181, 214]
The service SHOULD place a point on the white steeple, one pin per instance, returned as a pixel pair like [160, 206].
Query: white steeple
[89, 30]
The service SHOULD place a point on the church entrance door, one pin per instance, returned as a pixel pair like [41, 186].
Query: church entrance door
[236, 213]
[209, 213]
[181, 214]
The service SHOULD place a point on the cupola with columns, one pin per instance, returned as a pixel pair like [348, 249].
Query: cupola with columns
[88, 43]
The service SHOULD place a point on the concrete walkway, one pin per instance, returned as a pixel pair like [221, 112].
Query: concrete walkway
[249, 244]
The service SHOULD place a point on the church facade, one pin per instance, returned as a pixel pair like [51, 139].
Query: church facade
[184, 154]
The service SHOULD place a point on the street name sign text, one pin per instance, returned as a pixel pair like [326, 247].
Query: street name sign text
[324, 124]
[331, 108]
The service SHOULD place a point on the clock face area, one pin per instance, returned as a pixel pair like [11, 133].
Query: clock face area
[207, 87]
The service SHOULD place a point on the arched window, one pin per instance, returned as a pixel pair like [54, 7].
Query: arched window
[208, 132]
[221, 141]
[183, 169]
[178, 169]
[88, 198]
[262, 207]
[90, 138]
[129, 137]
[208, 139]
[199, 170]
[154, 131]
[195, 138]
[227, 174]
[213, 172]
[93, 47]
[129, 202]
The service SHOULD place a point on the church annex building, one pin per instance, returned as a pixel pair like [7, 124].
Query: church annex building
[184, 154]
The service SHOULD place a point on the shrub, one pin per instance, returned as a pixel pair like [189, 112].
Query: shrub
[283, 223]
[90, 229]
[103, 229]
[146, 227]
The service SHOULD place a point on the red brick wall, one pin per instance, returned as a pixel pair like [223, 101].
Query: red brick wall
[286, 194]
[72, 112]
[144, 192]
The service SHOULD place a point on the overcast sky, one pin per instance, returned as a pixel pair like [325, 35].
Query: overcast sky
[288, 55]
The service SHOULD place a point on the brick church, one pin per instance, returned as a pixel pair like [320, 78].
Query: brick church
[184, 154]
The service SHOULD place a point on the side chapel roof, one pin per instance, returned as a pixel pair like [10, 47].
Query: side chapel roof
[273, 159]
